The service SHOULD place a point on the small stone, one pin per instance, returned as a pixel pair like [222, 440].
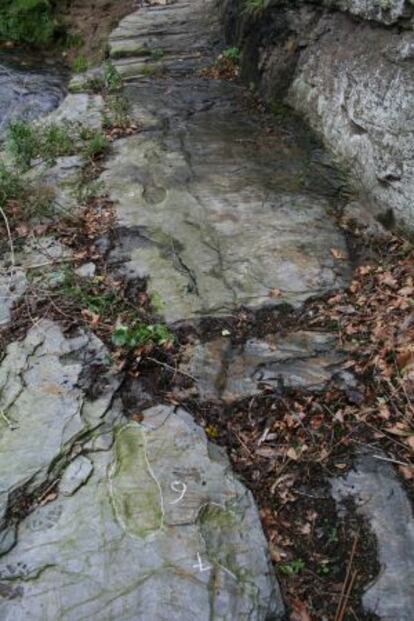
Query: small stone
[87, 270]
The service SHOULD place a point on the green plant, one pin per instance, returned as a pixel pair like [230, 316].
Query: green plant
[140, 334]
[22, 143]
[157, 54]
[27, 21]
[95, 85]
[97, 145]
[55, 141]
[293, 568]
[26, 142]
[80, 64]
[253, 7]
[117, 112]
[150, 70]
[112, 77]
[87, 294]
[11, 185]
[232, 54]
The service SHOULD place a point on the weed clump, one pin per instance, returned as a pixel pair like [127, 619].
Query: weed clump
[26, 142]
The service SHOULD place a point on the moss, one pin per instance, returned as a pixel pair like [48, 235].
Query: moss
[134, 491]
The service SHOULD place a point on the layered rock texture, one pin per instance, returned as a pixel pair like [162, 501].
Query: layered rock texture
[348, 67]
[146, 521]
[108, 513]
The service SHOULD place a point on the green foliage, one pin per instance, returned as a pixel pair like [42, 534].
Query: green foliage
[112, 77]
[141, 334]
[150, 70]
[253, 7]
[27, 142]
[11, 186]
[157, 54]
[117, 112]
[96, 146]
[22, 143]
[80, 64]
[232, 54]
[87, 295]
[27, 21]
[292, 569]
[31, 200]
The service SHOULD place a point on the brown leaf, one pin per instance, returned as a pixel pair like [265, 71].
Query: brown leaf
[292, 454]
[275, 293]
[410, 442]
[300, 611]
[338, 254]
[407, 472]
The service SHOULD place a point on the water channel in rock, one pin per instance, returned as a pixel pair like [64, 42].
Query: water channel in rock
[31, 85]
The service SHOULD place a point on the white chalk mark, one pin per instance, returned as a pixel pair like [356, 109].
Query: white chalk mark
[179, 487]
[200, 565]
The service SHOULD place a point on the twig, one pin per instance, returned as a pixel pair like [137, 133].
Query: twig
[244, 445]
[6, 222]
[394, 461]
[168, 366]
[340, 611]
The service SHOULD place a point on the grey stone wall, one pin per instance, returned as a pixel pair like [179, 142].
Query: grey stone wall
[348, 67]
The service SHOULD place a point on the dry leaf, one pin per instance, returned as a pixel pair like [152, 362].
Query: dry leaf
[275, 293]
[300, 611]
[292, 454]
[338, 254]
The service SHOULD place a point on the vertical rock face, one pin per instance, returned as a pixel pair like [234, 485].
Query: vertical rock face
[352, 79]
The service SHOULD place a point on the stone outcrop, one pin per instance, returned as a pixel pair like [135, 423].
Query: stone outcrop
[146, 521]
[215, 212]
[380, 498]
[348, 67]
[301, 360]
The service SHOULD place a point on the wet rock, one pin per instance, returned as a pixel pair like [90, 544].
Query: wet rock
[75, 475]
[225, 212]
[361, 101]
[388, 12]
[28, 90]
[82, 109]
[44, 411]
[303, 360]
[160, 530]
[13, 285]
[63, 180]
[380, 498]
[212, 238]
[359, 97]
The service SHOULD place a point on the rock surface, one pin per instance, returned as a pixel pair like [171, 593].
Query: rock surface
[214, 211]
[28, 90]
[352, 80]
[148, 522]
[302, 360]
[380, 498]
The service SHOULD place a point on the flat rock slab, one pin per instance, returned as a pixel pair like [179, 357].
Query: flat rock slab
[302, 360]
[158, 529]
[216, 212]
[380, 498]
[44, 409]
